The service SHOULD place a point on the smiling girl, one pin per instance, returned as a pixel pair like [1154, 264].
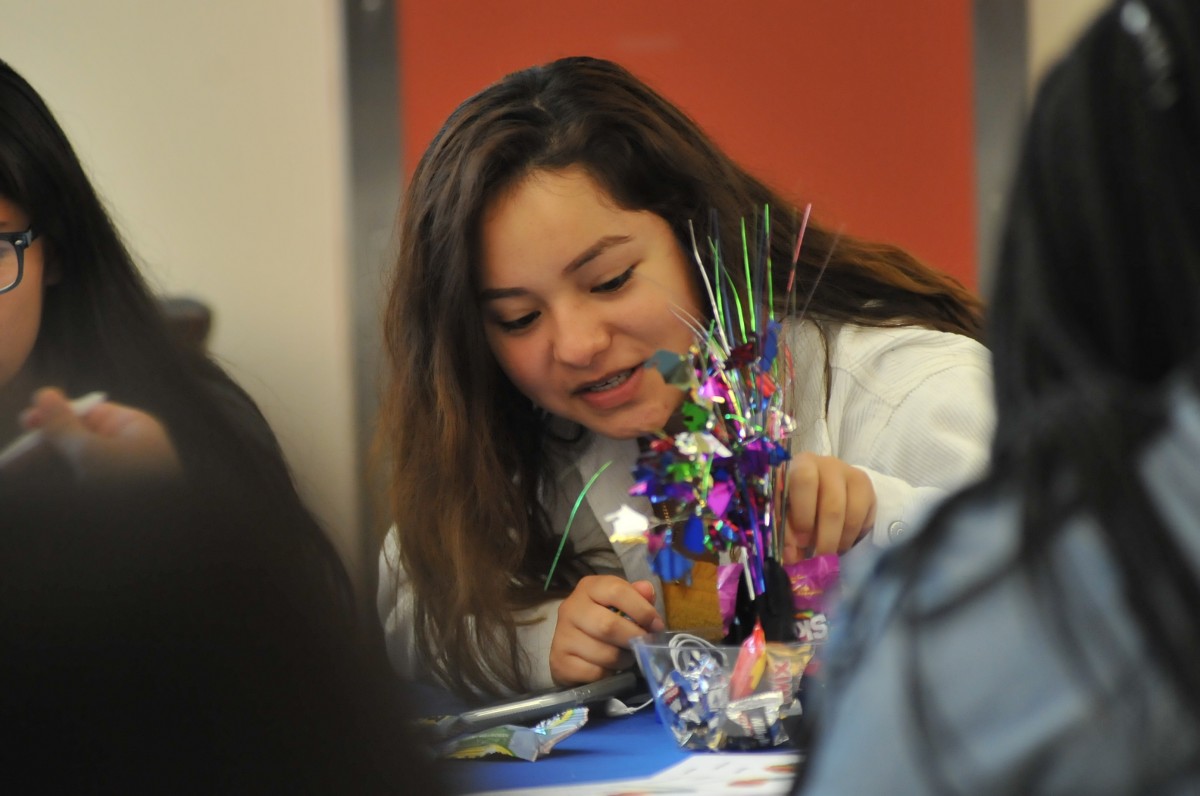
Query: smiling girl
[545, 258]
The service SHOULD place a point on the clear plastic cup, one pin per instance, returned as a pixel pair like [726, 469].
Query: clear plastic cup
[722, 697]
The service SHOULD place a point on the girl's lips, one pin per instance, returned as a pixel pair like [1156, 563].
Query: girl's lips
[615, 396]
[591, 385]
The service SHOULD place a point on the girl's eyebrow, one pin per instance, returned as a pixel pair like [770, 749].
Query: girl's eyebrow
[586, 256]
[595, 250]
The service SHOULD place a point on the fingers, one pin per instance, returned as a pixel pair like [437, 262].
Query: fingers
[831, 512]
[587, 661]
[108, 442]
[48, 406]
[803, 490]
[793, 551]
[830, 506]
[617, 610]
[595, 625]
[645, 614]
[860, 507]
[60, 425]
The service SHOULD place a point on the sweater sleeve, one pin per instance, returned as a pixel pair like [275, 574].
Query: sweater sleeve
[918, 418]
[977, 688]
[394, 602]
[899, 506]
[964, 673]
[936, 440]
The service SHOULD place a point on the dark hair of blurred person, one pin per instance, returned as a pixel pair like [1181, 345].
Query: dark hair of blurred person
[160, 633]
[1041, 635]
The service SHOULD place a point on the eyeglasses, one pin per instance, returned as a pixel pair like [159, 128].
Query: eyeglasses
[12, 257]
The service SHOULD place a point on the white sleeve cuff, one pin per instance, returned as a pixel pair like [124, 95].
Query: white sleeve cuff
[535, 637]
[535, 626]
[900, 508]
[394, 603]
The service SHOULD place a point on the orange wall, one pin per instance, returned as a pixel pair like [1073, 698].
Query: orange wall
[862, 107]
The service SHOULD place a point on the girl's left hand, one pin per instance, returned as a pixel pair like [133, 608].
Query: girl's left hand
[830, 506]
[110, 443]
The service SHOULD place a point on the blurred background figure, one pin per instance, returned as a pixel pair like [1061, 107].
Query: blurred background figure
[1041, 635]
[172, 618]
[76, 315]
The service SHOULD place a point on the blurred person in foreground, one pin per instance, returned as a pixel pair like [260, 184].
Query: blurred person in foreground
[1041, 635]
[158, 640]
[172, 618]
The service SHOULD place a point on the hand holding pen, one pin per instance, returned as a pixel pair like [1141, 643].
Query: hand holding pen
[101, 440]
[33, 439]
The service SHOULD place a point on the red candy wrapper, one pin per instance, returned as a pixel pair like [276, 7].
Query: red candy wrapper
[751, 661]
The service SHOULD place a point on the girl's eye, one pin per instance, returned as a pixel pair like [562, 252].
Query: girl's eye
[518, 324]
[613, 285]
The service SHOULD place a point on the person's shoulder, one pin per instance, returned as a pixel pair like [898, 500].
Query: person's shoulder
[852, 345]
[856, 343]
[237, 407]
[893, 363]
[978, 531]
[1169, 462]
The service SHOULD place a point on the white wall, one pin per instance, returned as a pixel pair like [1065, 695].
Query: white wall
[1053, 27]
[215, 131]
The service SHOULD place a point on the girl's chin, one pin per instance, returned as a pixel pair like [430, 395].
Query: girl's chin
[646, 423]
[627, 433]
[649, 416]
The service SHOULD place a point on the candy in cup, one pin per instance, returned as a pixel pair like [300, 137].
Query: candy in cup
[722, 697]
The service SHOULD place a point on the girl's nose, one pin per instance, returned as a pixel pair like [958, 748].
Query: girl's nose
[579, 337]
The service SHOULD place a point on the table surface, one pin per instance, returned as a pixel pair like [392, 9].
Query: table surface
[604, 749]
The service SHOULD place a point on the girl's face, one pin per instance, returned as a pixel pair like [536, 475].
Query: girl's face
[21, 307]
[578, 294]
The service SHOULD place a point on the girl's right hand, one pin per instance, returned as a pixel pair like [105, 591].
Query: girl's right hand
[830, 506]
[595, 624]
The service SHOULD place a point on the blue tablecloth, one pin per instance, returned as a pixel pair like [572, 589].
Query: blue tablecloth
[604, 749]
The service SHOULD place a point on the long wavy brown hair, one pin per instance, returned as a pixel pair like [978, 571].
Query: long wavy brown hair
[469, 455]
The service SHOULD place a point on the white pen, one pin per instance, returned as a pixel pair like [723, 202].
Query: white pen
[31, 439]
